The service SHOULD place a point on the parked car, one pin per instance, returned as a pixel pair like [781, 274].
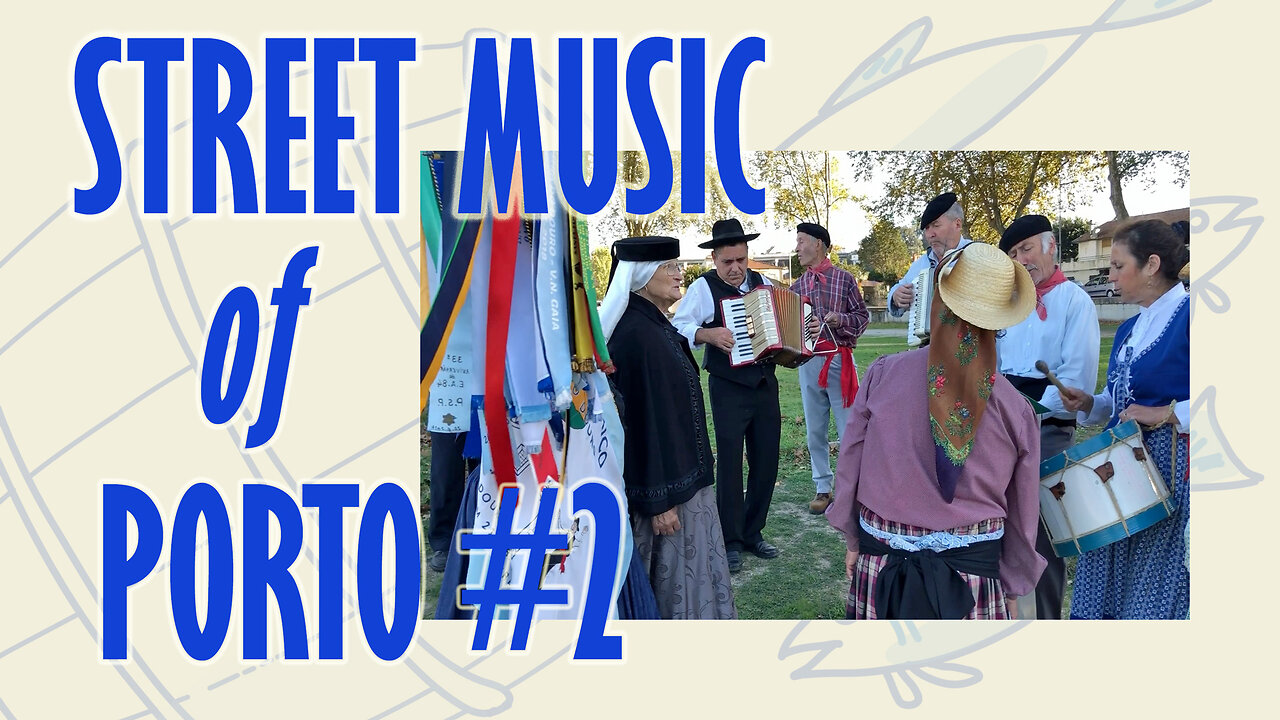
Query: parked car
[1100, 286]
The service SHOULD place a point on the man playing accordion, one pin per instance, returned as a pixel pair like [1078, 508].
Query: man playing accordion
[827, 386]
[943, 225]
[744, 399]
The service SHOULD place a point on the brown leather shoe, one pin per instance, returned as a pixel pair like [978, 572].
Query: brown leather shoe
[820, 503]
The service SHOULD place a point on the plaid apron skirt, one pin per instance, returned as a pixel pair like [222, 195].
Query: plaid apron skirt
[988, 593]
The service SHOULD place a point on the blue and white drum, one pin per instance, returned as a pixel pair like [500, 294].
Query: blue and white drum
[1101, 490]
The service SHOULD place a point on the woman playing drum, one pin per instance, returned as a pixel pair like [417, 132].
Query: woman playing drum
[1148, 381]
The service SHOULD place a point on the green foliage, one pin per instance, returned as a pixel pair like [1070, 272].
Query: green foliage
[1069, 231]
[1152, 166]
[600, 262]
[692, 272]
[1147, 166]
[856, 271]
[884, 252]
[994, 187]
[802, 186]
[633, 172]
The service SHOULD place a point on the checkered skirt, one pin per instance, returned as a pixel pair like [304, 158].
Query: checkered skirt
[988, 593]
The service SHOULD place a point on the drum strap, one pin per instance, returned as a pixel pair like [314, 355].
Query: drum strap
[926, 585]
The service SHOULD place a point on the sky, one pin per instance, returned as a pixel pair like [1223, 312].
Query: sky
[849, 223]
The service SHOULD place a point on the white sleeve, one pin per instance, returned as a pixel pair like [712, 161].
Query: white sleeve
[1081, 343]
[696, 308]
[919, 264]
[1102, 405]
[1182, 413]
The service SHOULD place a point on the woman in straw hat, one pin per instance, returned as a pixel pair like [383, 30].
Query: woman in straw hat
[936, 489]
[668, 468]
[1149, 381]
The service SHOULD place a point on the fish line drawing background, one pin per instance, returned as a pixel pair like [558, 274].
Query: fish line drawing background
[100, 341]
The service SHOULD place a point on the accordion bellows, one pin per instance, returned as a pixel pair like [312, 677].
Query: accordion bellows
[769, 323]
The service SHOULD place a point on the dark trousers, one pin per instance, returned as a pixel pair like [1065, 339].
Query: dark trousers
[448, 484]
[749, 415]
[1053, 440]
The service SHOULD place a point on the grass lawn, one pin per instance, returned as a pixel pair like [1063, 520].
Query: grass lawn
[807, 578]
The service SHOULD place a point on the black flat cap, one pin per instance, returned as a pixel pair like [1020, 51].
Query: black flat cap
[1023, 228]
[936, 207]
[727, 232]
[650, 248]
[815, 230]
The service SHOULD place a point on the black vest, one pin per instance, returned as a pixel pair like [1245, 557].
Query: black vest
[716, 362]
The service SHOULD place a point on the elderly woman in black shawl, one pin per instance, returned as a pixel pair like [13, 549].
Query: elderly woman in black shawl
[668, 466]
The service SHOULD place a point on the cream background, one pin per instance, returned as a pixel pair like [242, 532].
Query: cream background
[102, 320]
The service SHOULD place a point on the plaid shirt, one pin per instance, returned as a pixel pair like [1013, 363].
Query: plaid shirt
[831, 289]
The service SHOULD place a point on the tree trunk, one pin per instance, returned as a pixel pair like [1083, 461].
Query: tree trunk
[1117, 193]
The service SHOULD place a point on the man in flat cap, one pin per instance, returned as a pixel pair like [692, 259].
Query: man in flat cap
[1063, 332]
[744, 400]
[943, 226]
[827, 387]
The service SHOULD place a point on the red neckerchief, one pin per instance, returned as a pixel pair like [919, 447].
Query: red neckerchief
[821, 267]
[1042, 289]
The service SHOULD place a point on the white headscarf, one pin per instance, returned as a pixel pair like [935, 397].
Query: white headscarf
[627, 278]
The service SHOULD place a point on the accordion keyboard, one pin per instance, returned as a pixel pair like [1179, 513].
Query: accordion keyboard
[735, 318]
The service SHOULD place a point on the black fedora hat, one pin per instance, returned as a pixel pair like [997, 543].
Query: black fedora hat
[727, 232]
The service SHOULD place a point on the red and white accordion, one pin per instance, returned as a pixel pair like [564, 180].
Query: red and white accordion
[771, 323]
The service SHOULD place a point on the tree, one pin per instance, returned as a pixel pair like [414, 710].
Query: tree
[994, 186]
[600, 261]
[633, 172]
[1069, 231]
[838, 260]
[1127, 165]
[692, 272]
[802, 186]
[718, 206]
[884, 252]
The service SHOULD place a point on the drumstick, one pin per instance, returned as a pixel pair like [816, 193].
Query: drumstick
[1043, 367]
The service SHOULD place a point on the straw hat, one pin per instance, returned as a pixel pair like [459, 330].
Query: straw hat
[982, 285]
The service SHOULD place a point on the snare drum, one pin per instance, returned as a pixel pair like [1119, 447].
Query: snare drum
[1100, 491]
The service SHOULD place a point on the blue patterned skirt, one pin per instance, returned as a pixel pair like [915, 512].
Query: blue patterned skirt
[1143, 577]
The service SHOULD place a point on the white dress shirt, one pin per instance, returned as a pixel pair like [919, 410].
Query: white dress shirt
[1151, 322]
[1067, 340]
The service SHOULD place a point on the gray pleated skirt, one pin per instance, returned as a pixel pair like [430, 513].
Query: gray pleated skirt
[688, 571]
